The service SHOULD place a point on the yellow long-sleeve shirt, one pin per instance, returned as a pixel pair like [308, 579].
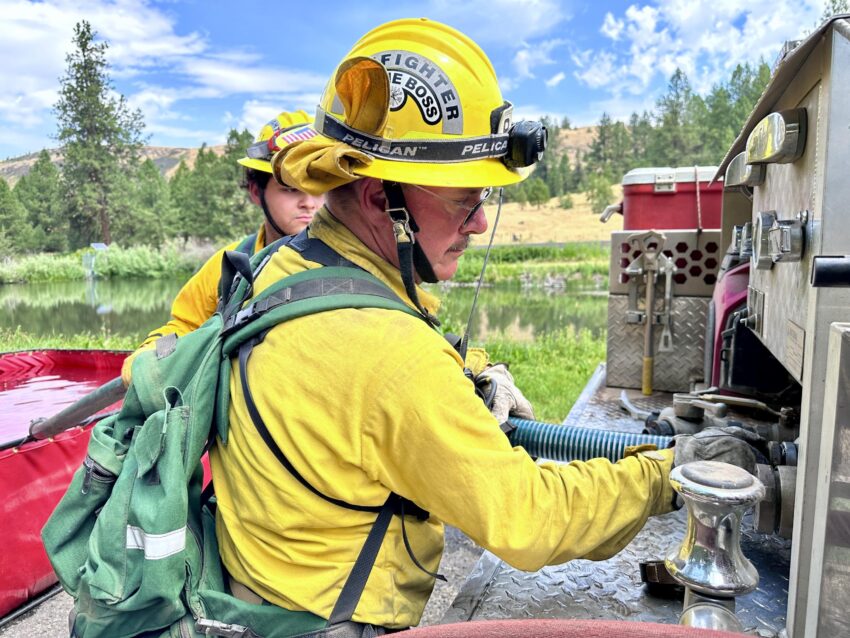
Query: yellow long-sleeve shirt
[368, 401]
[197, 300]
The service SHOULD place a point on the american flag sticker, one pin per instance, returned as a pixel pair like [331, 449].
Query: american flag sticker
[296, 135]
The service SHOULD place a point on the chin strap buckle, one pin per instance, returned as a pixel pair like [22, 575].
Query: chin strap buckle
[401, 225]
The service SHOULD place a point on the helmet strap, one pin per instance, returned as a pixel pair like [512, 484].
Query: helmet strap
[267, 213]
[411, 257]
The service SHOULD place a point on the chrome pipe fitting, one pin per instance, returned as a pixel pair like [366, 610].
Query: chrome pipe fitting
[709, 561]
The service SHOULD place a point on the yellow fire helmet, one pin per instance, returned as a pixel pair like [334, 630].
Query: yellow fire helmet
[284, 129]
[423, 102]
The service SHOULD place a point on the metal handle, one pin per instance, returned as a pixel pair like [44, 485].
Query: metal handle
[609, 211]
[94, 402]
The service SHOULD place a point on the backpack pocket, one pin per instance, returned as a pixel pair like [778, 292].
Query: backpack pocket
[136, 564]
[66, 533]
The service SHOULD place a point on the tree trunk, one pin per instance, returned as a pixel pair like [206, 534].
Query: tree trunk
[103, 217]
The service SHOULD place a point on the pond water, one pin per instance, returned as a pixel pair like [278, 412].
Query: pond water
[134, 307]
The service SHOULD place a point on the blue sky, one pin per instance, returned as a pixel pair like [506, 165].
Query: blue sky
[198, 68]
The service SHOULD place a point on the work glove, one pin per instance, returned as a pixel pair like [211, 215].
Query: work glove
[496, 387]
[730, 444]
[127, 366]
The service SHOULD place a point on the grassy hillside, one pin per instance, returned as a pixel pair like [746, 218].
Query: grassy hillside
[167, 158]
[551, 223]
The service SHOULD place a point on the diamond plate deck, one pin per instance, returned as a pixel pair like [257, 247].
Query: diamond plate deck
[612, 589]
[674, 370]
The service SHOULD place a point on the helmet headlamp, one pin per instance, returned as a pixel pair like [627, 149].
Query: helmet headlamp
[526, 142]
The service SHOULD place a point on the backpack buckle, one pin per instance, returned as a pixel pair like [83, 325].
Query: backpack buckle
[207, 627]
[238, 320]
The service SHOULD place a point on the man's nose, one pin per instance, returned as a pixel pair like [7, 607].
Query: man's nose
[312, 202]
[476, 224]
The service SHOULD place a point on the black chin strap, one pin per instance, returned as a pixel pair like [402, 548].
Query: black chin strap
[267, 213]
[411, 257]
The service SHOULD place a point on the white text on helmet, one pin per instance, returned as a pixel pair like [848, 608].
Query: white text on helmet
[485, 147]
[420, 79]
[368, 145]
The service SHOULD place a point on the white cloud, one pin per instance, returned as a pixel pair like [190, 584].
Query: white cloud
[255, 113]
[492, 21]
[594, 69]
[556, 79]
[611, 27]
[146, 50]
[706, 39]
[533, 55]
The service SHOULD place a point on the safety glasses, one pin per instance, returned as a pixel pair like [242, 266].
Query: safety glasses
[467, 212]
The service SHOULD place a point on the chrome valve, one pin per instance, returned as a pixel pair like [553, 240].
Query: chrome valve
[709, 560]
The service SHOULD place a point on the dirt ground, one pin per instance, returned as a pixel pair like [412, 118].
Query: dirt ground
[50, 619]
[551, 223]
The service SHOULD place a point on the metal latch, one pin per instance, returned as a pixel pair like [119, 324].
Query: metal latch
[207, 627]
[786, 238]
[665, 182]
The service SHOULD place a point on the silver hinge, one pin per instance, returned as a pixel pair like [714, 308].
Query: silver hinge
[665, 182]
[207, 627]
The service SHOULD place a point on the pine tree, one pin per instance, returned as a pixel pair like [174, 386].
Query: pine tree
[101, 139]
[148, 216]
[676, 139]
[242, 216]
[181, 196]
[578, 176]
[598, 192]
[16, 231]
[599, 155]
[640, 134]
[834, 7]
[537, 191]
[40, 193]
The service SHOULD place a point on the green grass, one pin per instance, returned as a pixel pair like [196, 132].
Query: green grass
[116, 262]
[553, 370]
[19, 340]
[534, 264]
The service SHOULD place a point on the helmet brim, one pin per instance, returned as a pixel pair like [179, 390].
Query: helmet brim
[474, 174]
[256, 164]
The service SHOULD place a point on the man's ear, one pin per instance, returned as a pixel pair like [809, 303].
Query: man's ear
[371, 197]
[254, 192]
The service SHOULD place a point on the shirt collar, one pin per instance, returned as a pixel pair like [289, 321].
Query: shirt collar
[336, 235]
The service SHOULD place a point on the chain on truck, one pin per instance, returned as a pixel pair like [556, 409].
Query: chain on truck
[729, 292]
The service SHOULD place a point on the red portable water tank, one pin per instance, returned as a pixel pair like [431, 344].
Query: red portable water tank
[666, 198]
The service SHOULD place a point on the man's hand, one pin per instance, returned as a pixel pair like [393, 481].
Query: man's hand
[500, 394]
[730, 444]
[127, 366]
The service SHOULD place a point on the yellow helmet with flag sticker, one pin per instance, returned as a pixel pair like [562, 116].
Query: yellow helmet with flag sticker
[271, 138]
[422, 101]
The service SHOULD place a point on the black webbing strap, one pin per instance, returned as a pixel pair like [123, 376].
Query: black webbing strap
[396, 201]
[314, 249]
[356, 582]
[247, 245]
[267, 213]
[432, 151]
[411, 258]
[233, 263]
[321, 287]
[394, 505]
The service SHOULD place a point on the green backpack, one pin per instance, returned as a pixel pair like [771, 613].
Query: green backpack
[133, 539]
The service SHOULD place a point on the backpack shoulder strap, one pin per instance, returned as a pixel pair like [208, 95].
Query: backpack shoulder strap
[247, 245]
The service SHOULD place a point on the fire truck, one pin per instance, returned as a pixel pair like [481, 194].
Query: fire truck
[729, 306]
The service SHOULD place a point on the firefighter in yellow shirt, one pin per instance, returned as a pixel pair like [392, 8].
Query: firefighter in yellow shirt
[286, 211]
[339, 415]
